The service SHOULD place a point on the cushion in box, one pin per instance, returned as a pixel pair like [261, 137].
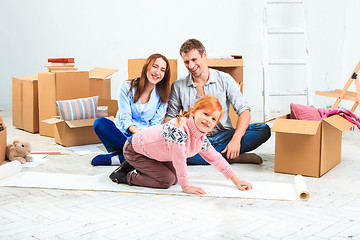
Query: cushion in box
[301, 112]
[75, 109]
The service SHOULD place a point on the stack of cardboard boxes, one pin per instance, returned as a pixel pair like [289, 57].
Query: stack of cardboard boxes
[34, 102]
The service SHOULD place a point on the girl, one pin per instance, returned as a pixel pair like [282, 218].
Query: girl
[142, 103]
[159, 153]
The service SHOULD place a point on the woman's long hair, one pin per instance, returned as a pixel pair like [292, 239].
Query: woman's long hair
[162, 87]
[207, 102]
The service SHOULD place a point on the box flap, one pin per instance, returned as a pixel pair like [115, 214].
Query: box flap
[295, 126]
[222, 62]
[28, 78]
[286, 116]
[80, 123]
[112, 105]
[339, 122]
[101, 72]
[52, 120]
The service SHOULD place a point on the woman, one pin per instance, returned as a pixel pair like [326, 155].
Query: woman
[142, 103]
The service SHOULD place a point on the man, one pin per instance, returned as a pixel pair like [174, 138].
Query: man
[201, 80]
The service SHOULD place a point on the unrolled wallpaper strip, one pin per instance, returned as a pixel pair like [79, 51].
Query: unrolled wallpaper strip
[101, 182]
[9, 169]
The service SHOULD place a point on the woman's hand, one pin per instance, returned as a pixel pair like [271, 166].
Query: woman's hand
[193, 190]
[242, 185]
[133, 129]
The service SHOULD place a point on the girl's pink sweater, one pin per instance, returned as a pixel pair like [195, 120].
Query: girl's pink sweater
[171, 142]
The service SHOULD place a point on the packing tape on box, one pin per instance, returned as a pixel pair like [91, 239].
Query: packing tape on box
[10, 169]
[300, 188]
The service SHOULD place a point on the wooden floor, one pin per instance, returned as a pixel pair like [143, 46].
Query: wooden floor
[332, 212]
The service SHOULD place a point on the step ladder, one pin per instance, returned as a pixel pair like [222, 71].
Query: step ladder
[269, 62]
[341, 94]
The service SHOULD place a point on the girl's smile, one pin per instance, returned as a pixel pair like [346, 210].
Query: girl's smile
[205, 120]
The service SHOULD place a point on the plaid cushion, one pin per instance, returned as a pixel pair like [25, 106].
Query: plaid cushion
[81, 108]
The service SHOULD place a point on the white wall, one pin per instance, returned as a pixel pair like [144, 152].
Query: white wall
[106, 33]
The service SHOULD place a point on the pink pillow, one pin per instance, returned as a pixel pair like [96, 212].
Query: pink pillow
[301, 112]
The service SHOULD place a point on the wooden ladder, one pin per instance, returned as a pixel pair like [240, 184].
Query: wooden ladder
[268, 61]
[341, 94]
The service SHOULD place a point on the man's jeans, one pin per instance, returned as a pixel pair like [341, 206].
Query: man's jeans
[254, 136]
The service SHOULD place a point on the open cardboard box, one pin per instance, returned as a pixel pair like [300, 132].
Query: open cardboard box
[79, 132]
[309, 148]
[58, 86]
[69, 85]
[2, 141]
[75, 132]
[100, 83]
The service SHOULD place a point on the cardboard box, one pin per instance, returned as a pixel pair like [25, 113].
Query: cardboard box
[69, 85]
[75, 132]
[309, 148]
[135, 67]
[79, 132]
[2, 141]
[59, 86]
[25, 106]
[112, 106]
[234, 67]
[100, 84]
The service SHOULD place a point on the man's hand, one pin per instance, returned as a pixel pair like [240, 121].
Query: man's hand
[232, 149]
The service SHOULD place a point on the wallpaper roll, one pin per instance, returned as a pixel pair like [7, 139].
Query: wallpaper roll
[300, 188]
[295, 190]
[10, 169]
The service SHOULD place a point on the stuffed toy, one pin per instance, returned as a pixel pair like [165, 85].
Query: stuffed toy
[18, 150]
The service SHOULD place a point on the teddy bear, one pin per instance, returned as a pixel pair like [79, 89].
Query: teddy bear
[18, 150]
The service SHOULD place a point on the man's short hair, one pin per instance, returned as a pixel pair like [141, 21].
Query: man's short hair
[191, 44]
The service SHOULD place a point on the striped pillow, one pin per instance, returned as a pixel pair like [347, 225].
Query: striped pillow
[102, 111]
[81, 108]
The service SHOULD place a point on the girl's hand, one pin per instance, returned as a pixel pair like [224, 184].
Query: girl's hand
[242, 185]
[193, 190]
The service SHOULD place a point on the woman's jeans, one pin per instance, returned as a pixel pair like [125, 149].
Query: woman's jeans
[254, 136]
[112, 138]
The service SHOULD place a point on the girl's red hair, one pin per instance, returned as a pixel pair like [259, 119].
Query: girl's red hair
[207, 102]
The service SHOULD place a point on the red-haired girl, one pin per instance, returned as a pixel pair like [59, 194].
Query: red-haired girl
[159, 153]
